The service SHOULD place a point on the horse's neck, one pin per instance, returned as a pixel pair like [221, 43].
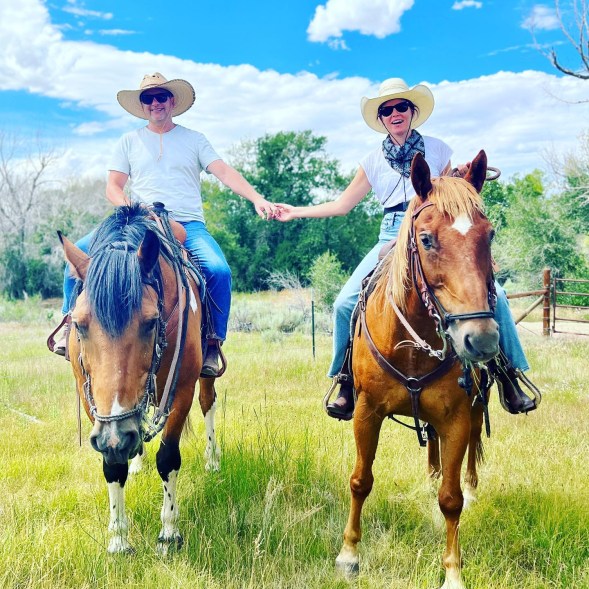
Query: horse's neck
[389, 331]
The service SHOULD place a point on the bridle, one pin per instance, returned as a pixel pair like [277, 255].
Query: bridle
[150, 390]
[435, 309]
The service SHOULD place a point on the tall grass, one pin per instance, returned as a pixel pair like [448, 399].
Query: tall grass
[274, 516]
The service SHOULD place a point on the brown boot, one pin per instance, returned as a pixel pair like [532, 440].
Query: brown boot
[214, 362]
[343, 406]
[512, 397]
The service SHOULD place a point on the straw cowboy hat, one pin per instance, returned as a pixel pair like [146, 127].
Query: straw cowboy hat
[183, 94]
[421, 96]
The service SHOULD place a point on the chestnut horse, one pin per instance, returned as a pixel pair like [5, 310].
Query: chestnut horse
[137, 320]
[438, 281]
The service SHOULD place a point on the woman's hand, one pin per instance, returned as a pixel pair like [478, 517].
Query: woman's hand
[284, 212]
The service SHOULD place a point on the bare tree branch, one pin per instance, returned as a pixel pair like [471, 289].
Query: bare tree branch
[576, 34]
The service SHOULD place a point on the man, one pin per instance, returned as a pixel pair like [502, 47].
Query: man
[162, 162]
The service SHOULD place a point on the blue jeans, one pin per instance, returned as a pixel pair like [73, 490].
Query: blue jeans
[348, 297]
[211, 261]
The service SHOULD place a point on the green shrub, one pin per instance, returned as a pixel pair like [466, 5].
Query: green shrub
[327, 278]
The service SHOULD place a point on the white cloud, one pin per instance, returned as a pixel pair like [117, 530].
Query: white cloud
[338, 44]
[77, 11]
[466, 4]
[115, 32]
[378, 17]
[513, 116]
[541, 18]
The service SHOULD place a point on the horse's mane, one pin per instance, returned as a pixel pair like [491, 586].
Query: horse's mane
[114, 284]
[452, 197]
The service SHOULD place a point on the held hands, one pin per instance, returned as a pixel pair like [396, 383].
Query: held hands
[285, 212]
[265, 209]
[279, 211]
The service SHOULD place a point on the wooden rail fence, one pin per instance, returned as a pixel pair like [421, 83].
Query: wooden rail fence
[548, 297]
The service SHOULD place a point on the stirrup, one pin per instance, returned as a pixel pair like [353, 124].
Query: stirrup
[338, 380]
[51, 342]
[537, 395]
[221, 357]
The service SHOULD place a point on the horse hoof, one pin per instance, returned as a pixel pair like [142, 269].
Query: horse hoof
[167, 545]
[349, 569]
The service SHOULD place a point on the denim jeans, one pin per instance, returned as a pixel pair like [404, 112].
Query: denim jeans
[345, 302]
[211, 261]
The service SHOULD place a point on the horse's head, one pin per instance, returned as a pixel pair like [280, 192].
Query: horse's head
[450, 240]
[115, 324]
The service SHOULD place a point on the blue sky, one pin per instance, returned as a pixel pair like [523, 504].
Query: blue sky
[260, 67]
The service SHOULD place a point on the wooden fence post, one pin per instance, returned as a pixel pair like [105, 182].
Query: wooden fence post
[546, 315]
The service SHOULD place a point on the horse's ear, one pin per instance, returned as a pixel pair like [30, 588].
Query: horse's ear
[77, 259]
[420, 176]
[149, 252]
[478, 171]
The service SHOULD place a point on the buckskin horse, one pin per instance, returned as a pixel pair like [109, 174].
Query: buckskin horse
[137, 321]
[437, 282]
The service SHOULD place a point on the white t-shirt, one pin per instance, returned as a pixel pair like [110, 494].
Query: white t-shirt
[392, 188]
[172, 178]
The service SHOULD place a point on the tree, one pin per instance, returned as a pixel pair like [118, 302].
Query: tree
[574, 24]
[536, 235]
[34, 203]
[24, 176]
[293, 168]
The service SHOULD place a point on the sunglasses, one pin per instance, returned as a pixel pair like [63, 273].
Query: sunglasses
[161, 98]
[387, 111]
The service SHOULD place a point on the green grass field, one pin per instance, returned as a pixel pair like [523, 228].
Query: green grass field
[274, 516]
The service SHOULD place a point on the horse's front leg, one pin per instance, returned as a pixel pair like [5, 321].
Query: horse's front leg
[474, 456]
[208, 404]
[168, 462]
[116, 476]
[453, 447]
[367, 426]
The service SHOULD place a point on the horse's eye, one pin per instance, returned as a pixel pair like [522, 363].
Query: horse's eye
[492, 235]
[81, 329]
[149, 326]
[426, 240]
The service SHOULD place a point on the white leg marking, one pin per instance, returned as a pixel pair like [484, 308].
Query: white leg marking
[462, 224]
[118, 525]
[169, 533]
[470, 496]
[212, 450]
[348, 562]
[453, 580]
[136, 464]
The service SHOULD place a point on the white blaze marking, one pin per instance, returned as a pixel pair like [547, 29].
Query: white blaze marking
[462, 224]
[116, 408]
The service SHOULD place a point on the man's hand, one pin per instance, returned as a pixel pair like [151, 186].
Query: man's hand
[265, 209]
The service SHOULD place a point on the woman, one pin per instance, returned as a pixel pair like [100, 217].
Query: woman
[397, 111]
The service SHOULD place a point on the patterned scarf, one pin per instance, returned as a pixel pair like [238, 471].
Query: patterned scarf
[400, 157]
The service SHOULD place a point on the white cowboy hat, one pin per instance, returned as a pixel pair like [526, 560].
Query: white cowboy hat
[183, 92]
[421, 96]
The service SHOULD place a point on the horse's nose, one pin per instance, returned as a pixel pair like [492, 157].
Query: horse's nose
[481, 342]
[116, 441]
